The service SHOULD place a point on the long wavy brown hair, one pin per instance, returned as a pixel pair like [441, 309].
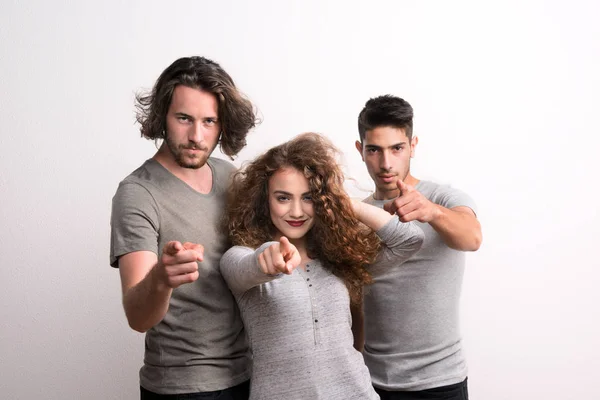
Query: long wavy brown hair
[337, 239]
[237, 115]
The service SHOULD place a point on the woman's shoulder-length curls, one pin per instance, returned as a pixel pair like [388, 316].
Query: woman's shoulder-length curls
[337, 239]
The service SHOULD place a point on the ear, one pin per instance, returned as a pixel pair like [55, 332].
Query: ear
[359, 147]
[413, 144]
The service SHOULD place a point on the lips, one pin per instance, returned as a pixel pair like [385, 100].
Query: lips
[295, 224]
[194, 148]
[387, 178]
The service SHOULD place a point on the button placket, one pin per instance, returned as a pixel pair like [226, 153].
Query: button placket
[314, 305]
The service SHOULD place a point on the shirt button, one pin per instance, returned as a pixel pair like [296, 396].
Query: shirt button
[308, 279]
[316, 320]
[310, 285]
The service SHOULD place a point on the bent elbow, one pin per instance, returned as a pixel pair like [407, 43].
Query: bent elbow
[135, 323]
[475, 243]
[140, 329]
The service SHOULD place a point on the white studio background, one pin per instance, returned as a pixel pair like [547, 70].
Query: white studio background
[506, 98]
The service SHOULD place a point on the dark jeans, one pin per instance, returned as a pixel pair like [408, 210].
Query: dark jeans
[458, 391]
[239, 392]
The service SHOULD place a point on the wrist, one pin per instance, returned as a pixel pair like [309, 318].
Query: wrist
[437, 213]
[157, 278]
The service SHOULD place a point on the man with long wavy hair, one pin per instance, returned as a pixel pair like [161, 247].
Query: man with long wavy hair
[412, 342]
[166, 240]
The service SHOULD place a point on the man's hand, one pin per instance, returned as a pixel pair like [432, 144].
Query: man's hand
[178, 263]
[411, 205]
[282, 257]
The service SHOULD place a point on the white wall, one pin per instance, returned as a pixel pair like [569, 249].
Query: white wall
[506, 97]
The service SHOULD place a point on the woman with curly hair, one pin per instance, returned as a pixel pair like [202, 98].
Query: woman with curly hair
[302, 253]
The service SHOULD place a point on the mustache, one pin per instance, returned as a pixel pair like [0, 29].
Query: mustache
[193, 146]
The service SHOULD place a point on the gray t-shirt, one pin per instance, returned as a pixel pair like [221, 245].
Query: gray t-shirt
[299, 325]
[412, 338]
[200, 345]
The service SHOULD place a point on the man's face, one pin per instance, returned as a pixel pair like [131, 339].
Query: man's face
[192, 126]
[387, 152]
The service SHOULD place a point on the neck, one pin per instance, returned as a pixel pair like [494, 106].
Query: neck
[392, 194]
[199, 179]
[411, 180]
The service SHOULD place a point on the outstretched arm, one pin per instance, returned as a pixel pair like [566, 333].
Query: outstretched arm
[243, 268]
[373, 217]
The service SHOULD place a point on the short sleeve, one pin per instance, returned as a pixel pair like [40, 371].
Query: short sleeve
[450, 197]
[134, 221]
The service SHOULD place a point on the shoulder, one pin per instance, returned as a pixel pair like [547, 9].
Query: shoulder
[222, 170]
[437, 189]
[145, 175]
[138, 189]
[445, 194]
[220, 165]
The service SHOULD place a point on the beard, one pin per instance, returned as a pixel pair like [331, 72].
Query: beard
[196, 161]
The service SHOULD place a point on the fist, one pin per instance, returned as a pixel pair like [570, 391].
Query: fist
[178, 263]
[411, 205]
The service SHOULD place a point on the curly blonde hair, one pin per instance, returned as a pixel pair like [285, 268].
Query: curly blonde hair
[338, 239]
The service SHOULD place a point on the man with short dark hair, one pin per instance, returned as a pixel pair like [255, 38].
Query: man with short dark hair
[413, 345]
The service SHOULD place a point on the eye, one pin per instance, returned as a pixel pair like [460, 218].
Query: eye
[307, 199]
[398, 148]
[183, 118]
[210, 121]
[372, 150]
[282, 198]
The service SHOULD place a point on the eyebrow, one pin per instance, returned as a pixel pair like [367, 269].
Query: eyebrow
[288, 193]
[182, 114]
[372, 146]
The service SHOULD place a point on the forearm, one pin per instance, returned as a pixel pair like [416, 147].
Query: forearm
[241, 270]
[401, 241]
[146, 303]
[460, 230]
[373, 217]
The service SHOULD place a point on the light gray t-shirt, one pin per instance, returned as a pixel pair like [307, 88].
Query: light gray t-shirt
[299, 325]
[200, 345]
[412, 338]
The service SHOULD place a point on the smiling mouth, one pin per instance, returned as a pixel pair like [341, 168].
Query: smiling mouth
[296, 223]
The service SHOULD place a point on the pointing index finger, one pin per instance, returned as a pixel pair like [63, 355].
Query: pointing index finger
[172, 248]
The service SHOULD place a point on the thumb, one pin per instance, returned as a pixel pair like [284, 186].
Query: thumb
[293, 262]
[404, 188]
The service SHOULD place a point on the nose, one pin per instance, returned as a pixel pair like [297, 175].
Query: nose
[297, 211]
[384, 161]
[196, 132]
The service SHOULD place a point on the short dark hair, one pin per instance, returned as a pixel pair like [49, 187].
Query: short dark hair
[236, 112]
[386, 110]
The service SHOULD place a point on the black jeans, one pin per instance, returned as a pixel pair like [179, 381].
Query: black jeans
[458, 391]
[239, 392]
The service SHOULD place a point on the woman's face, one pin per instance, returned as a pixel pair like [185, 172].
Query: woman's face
[290, 204]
